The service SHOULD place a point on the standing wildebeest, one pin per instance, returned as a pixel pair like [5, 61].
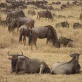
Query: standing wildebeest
[70, 67]
[77, 25]
[19, 22]
[45, 14]
[66, 41]
[43, 32]
[23, 64]
[14, 15]
[63, 24]
[24, 31]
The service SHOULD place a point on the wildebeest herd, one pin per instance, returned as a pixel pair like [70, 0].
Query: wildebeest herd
[26, 28]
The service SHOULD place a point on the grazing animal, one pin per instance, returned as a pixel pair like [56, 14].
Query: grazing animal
[16, 23]
[77, 25]
[63, 6]
[23, 64]
[31, 12]
[66, 41]
[70, 67]
[14, 15]
[63, 24]
[45, 14]
[43, 32]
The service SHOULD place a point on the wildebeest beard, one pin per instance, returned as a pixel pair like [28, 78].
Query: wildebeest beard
[13, 64]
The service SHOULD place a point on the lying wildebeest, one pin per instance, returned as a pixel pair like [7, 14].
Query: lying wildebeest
[77, 25]
[44, 32]
[66, 41]
[23, 64]
[14, 15]
[70, 67]
[63, 24]
[16, 23]
[45, 14]
[31, 12]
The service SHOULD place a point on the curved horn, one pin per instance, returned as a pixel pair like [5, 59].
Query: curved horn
[22, 53]
[9, 54]
[80, 53]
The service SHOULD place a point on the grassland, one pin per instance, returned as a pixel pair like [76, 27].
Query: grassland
[49, 54]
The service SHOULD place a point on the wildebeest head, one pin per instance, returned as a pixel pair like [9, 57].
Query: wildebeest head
[57, 44]
[14, 59]
[76, 55]
[72, 55]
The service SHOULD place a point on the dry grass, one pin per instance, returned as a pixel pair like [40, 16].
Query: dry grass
[50, 54]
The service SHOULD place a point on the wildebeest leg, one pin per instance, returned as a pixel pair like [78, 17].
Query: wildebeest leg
[31, 46]
[41, 68]
[20, 38]
[48, 37]
[47, 41]
[35, 43]
[24, 40]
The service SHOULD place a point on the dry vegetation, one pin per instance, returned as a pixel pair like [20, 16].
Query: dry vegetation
[50, 54]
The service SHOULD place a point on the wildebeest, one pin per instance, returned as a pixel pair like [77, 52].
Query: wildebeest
[3, 5]
[43, 32]
[31, 12]
[56, 3]
[24, 32]
[77, 25]
[14, 15]
[63, 24]
[70, 67]
[48, 7]
[80, 17]
[23, 64]
[66, 41]
[64, 6]
[45, 14]
[16, 23]
[14, 60]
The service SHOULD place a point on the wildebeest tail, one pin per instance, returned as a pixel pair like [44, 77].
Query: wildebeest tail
[30, 37]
